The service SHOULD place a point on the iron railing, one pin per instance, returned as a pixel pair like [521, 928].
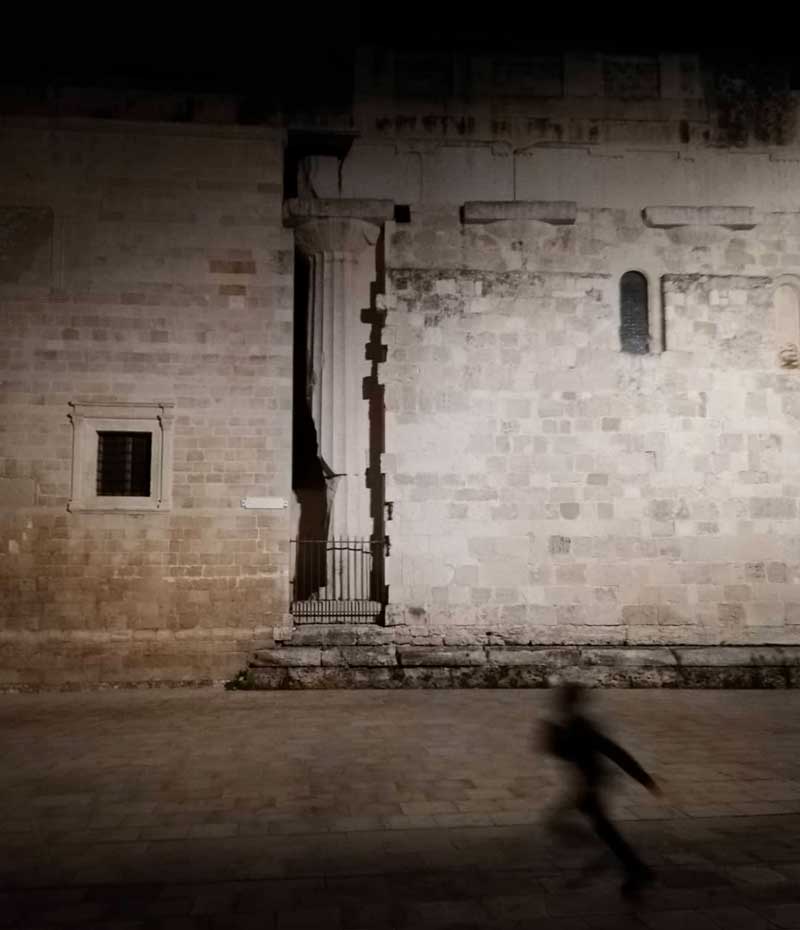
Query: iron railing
[338, 580]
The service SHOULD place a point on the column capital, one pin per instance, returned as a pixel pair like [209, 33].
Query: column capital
[344, 236]
[343, 225]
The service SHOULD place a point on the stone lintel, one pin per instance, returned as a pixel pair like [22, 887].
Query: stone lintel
[300, 210]
[555, 212]
[666, 217]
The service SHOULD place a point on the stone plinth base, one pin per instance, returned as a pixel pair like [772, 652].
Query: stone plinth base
[406, 666]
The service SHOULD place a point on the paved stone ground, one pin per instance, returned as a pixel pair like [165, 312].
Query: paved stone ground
[409, 809]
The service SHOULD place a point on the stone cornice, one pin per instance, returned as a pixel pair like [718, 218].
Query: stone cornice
[667, 217]
[555, 212]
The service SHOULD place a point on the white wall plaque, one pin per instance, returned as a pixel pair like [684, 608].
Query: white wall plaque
[264, 503]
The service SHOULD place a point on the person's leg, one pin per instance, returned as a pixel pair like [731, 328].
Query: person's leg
[638, 873]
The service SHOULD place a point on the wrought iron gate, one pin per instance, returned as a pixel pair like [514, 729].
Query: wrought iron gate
[338, 580]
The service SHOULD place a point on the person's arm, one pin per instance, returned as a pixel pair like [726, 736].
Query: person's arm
[554, 739]
[625, 761]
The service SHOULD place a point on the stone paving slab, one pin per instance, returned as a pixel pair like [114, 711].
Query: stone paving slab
[355, 810]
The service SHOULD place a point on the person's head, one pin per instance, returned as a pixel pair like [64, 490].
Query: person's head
[571, 696]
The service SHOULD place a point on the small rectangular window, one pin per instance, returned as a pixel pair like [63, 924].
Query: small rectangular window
[123, 464]
[121, 457]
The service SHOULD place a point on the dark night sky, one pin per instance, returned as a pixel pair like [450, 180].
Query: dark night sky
[235, 48]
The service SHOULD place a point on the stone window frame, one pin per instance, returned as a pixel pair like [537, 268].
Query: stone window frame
[88, 419]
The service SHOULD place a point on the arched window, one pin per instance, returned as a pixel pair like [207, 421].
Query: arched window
[634, 324]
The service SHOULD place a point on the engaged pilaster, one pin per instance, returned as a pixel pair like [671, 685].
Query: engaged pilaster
[339, 238]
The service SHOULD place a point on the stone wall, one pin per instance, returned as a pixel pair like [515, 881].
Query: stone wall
[544, 487]
[547, 487]
[148, 265]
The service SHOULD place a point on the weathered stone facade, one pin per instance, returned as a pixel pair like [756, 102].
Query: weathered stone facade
[547, 487]
[466, 242]
[162, 275]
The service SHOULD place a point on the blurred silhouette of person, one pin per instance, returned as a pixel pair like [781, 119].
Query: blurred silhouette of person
[574, 739]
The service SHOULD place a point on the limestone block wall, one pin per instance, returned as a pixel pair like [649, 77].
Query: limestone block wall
[548, 487]
[147, 265]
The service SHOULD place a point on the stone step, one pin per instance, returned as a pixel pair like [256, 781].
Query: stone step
[334, 634]
[385, 664]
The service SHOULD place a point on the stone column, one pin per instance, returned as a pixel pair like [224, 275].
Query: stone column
[341, 252]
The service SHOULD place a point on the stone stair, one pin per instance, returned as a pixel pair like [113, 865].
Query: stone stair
[361, 656]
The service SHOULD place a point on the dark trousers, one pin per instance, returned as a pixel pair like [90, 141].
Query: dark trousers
[591, 805]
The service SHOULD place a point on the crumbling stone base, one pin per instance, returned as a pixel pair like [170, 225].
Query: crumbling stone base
[393, 666]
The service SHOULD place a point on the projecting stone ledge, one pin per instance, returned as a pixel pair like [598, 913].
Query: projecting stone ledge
[406, 666]
[731, 217]
[555, 212]
[298, 210]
